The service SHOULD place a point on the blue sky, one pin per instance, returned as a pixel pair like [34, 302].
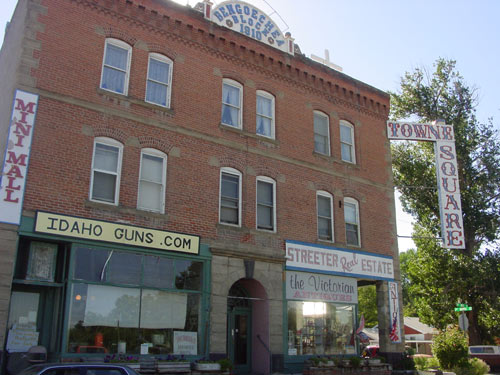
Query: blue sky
[378, 41]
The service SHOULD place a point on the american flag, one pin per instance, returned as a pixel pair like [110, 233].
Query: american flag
[394, 335]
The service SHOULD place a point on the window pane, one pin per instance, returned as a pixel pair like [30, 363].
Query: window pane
[350, 213]
[230, 186]
[231, 95]
[156, 93]
[318, 328]
[324, 207]
[229, 215]
[158, 70]
[150, 196]
[124, 268]
[160, 309]
[188, 274]
[264, 126]
[345, 134]
[116, 56]
[106, 157]
[89, 264]
[352, 234]
[104, 187]
[346, 152]
[158, 272]
[230, 115]
[324, 229]
[320, 144]
[265, 193]
[264, 106]
[152, 168]
[264, 217]
[321, 125]
[113, 80]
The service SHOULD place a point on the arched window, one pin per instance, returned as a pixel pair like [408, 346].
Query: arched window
[230, 197]
[232, 99]
[324, 205]
[351, 218]
[266, 203]
[347, 149]
[152, 181]
[116, 66]
[265, 114]
[106, 169]
[321, 133]
[158, 85]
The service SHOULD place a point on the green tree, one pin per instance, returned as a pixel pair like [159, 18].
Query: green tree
[367, 304]
[438, 278]
[406, 259]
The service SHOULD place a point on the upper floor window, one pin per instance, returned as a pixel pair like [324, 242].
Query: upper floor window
[351, 217]
[106, 167]
[158, 86]
[321, 133]
[230, 196]
[325, 215]
[152, 181]
[266, 206]
[347, 142]
[116, 66]
[232, 97]
[265, 114]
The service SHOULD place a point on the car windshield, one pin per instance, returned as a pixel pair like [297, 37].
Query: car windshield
[32, 370]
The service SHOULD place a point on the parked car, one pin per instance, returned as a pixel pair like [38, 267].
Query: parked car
[78, 368]
[488, 353]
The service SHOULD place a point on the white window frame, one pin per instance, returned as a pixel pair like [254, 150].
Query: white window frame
[266, 95]
[351, 145]
[120, 44]
[355, 203]
[166, 60]
[113, 143]
[237, 173]
[163, 156]
[330, 197]
[322, 114]
[239, 86]
[267, 180]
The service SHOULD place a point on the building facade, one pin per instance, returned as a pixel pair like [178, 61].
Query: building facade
[184, 181]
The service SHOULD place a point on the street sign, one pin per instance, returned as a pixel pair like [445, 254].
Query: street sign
[463, 322]
[463, 307]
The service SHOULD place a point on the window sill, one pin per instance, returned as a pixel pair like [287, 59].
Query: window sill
[130, 100]
[125, 210]
[232, 227]
[245, 133]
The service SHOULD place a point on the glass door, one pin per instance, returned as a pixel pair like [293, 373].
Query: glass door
[240, 339]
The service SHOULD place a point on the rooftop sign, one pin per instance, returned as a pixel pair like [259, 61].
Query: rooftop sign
[248, 20]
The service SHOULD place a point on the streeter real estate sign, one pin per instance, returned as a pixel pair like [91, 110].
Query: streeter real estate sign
[450, 206]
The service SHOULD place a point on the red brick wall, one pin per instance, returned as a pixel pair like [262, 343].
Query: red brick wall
[73, 110]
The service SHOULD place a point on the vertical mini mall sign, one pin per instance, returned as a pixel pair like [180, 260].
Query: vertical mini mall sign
[450, 205]
[16, 158]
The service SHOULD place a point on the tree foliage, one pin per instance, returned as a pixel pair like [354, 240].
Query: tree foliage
[367, 304]
[435, 279]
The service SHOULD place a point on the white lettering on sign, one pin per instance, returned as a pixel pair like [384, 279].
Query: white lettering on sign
[16, 158]
[185, 343]
[250, 21]
[450, 207]
[312, 257]
[326, 288]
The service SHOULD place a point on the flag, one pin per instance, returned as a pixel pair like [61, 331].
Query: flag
[361, 324]
[394, 335]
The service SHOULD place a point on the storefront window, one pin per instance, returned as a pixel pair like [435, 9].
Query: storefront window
[316, 328]
[106, 317]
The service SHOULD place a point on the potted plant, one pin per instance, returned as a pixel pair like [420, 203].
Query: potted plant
[207, 365]
[171, 362]
[226, 366]
[355, 362]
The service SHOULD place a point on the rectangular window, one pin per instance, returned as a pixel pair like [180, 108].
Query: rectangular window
[265, 205]
[231, 103]
[162, 296]
[347, 142]
[265, 114]
[319, 328]
[351, 218]
[159, 76]
[325, 221]
[230, 199]
[151, 194]
[321, 133]
[106, 171]
[116, 66]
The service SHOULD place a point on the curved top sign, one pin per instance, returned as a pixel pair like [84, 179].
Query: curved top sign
[250, 21]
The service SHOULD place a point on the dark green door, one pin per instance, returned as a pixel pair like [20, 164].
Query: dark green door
[240, 339]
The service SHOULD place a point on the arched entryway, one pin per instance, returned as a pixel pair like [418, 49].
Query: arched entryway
[248, 327]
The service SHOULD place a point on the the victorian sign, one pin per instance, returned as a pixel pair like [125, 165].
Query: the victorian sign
[447, 174]
[335, 261]
[250, 21]
[98, 230]
[305, 286]
[16, 157]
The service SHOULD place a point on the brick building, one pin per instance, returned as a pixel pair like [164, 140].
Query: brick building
[196, 186]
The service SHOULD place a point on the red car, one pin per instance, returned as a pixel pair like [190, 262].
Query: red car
[488, 353]
[370, 351]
